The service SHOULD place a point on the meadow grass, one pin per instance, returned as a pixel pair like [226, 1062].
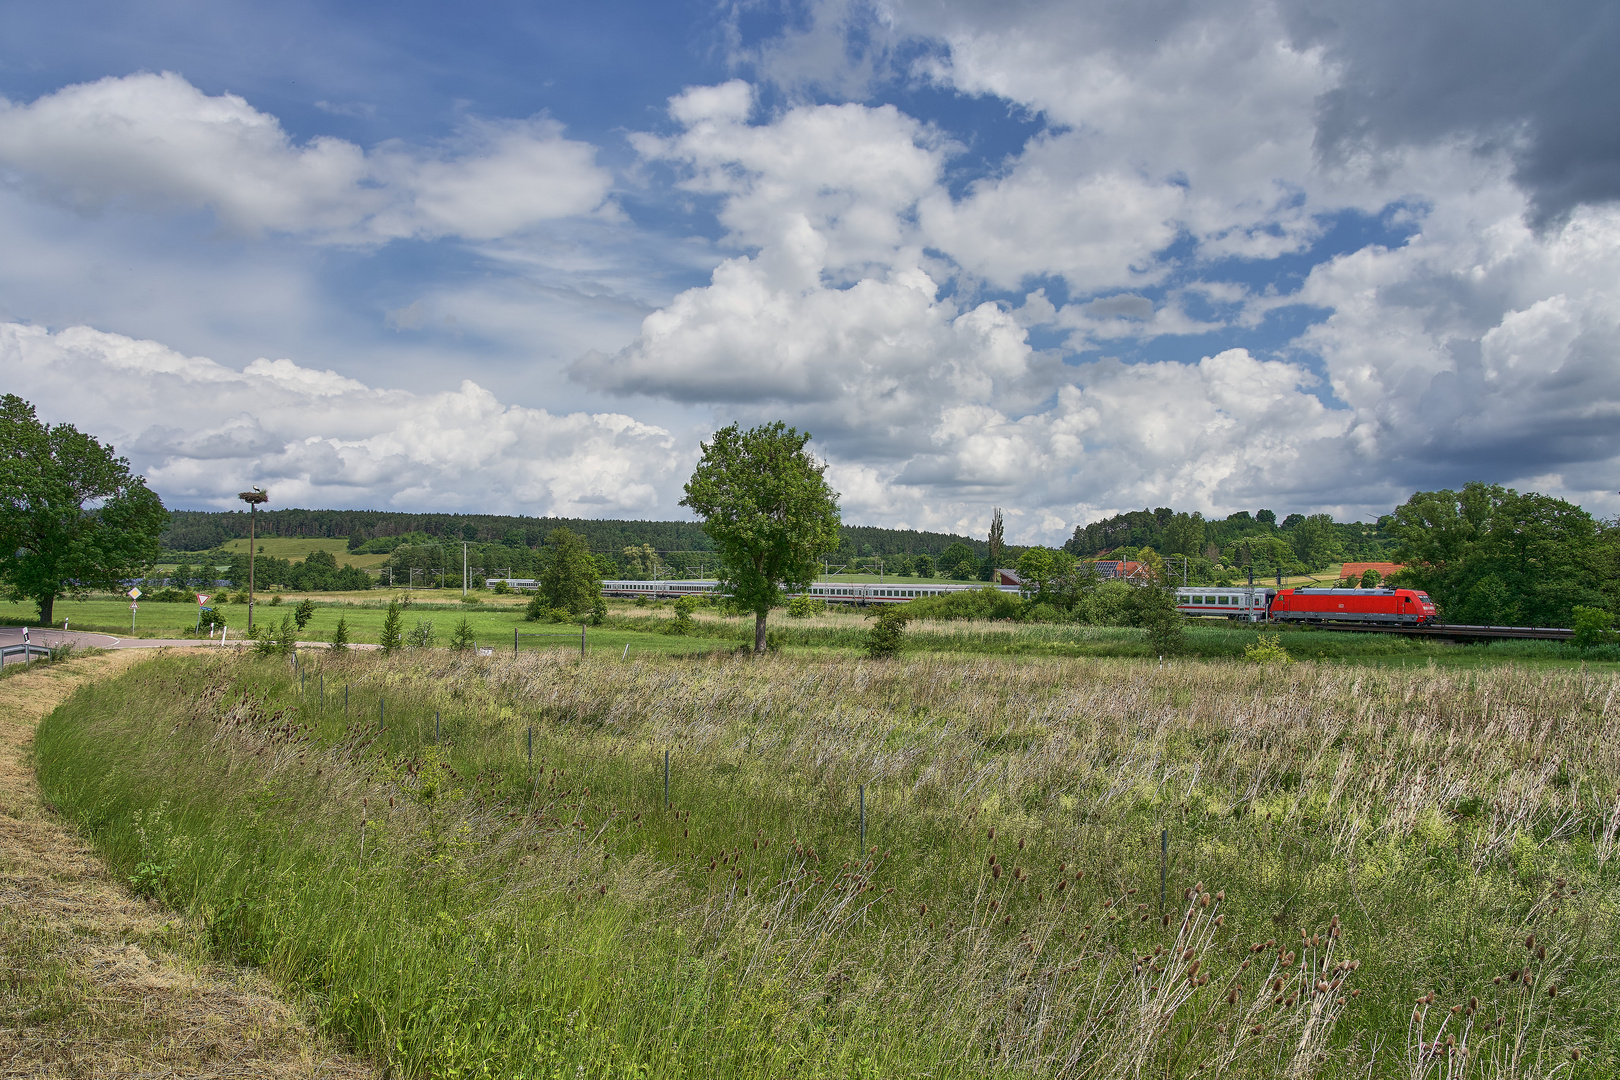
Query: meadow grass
[1370, 872]
[296, 549]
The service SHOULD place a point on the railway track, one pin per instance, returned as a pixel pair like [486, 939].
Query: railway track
[1457, 632]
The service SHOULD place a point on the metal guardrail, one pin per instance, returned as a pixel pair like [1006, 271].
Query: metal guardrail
[28, 650]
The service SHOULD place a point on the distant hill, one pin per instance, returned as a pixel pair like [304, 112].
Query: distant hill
[203, 530]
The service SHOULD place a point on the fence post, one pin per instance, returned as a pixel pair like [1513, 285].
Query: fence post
[582, 641]
[514, 642]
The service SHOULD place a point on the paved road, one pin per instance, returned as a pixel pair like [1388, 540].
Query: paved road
[12, 635]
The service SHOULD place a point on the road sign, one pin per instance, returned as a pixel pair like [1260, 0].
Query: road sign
[201, 599]
[135, 592]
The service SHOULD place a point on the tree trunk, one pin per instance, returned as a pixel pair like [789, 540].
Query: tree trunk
[46, 603]
[759, 633]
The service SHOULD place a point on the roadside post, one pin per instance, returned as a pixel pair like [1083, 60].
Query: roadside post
[134, 595]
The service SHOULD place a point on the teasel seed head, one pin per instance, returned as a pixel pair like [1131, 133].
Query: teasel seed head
[1530, 943]
[1552, 989]
[1541, 952]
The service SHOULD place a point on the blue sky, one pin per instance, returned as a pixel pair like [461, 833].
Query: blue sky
[1062, 258]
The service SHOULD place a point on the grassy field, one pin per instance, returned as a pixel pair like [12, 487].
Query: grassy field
[492, 624]
[1368, 872]
[839, 631]
[295, 549]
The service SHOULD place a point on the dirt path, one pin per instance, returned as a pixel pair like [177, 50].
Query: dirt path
[97, 983]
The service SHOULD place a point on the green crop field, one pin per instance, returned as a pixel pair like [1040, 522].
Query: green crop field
[295, 549]
[939, 866]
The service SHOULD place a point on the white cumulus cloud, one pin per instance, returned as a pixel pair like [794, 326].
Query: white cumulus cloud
[199, 430]
[155, 141]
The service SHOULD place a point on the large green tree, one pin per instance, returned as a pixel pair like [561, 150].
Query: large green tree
[1488, 554]
[72, 517]
[767, 506]
[570, 580]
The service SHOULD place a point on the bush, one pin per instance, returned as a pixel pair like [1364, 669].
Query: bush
[501, 588]
[986, 603]
[1592, 628]
[888, 634]
[1267, 649]
[275, 601]
[1154, 609]
[461, 638]
[803, 606]
[304, 612]
[421, 635]
[681, 626]
[340, 636]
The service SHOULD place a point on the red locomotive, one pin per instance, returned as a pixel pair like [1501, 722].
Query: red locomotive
[1407, 607]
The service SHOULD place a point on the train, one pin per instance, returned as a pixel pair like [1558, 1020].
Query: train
[834, 592]
[1245, 603]
[1248, 603]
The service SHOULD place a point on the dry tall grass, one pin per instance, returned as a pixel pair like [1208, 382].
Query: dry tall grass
[1356, 859]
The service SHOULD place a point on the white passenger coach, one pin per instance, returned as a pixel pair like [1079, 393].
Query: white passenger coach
[1246, 603]
[834, 592]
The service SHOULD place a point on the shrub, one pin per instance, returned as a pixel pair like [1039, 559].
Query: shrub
[986, 603]
[471, 601]
[1154, 609]
[421, 635]
[1592, 627]
[887, 635]
[681, 626]
[304, 612]
[501, 588]
[1267, 649]
[461, 638]
[340, 636]
[275, 601]
[803, 606]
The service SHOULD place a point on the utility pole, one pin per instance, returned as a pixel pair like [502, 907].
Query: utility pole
[253, 498]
